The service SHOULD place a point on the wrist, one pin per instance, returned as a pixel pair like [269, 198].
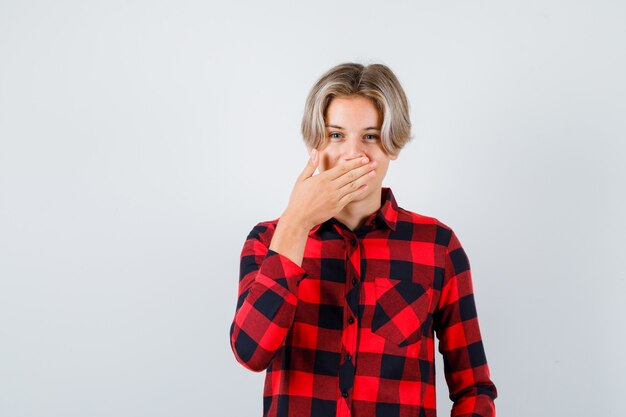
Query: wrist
[290, 221]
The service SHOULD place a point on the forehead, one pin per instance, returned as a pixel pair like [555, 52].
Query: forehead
[353, 109]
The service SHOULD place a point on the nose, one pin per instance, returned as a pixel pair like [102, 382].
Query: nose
[352, 149]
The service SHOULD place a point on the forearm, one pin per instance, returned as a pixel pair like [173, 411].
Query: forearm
[266, 315]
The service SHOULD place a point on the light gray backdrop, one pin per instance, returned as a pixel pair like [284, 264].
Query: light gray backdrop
[141, 141]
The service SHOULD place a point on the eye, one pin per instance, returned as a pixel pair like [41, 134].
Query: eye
[334, 137]
[371, 136]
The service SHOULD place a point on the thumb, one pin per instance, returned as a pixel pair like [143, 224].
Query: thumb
[311, 165]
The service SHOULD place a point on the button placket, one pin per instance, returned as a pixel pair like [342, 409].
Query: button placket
[349, 338]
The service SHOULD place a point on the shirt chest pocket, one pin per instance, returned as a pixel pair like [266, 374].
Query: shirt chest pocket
[401, 310]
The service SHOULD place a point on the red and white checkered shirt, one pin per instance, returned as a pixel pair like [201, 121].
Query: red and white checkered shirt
[350, 332]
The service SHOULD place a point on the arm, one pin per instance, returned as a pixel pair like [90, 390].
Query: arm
[270, 273]
[457, 328]
[267, 295]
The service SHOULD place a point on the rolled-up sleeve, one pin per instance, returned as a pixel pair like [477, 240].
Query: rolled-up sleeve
[266, 302]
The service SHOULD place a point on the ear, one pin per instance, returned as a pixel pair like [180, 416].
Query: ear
[393, 157]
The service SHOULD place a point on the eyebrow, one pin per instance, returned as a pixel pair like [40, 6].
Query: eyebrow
[339, 127]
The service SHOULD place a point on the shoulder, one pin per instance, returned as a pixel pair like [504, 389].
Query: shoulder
[425, 227]
[263, 231]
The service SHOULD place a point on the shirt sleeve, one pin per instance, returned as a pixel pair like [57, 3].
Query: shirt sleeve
[266, 303]
[457, 328]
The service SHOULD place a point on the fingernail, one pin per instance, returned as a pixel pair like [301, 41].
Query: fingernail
[364, 160]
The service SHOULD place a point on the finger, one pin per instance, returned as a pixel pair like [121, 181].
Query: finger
[340, 169]
[352, 191]
[310, 167]
[355, 174]
[356, 183]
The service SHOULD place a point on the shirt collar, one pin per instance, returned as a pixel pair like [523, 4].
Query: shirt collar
[387, 214]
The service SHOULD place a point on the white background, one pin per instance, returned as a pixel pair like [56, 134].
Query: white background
[140, 141]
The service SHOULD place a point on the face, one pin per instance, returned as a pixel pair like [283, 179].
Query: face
[353, 131]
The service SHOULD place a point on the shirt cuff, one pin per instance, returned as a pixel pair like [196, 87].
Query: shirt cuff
[282, 271]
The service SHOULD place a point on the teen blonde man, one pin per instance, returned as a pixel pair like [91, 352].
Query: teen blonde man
[340, 297]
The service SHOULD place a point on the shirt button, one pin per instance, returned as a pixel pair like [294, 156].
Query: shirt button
[348, 357]
[355, 281]
[353, 241]
[351, 320]
[344, 393]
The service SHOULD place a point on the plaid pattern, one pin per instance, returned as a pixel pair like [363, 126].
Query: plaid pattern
[351, 331]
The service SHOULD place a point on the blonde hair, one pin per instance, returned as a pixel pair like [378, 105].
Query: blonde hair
[376, 82]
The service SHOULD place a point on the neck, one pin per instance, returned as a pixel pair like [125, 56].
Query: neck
[356, 212]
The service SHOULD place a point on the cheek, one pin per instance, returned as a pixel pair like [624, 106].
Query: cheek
[327, 160]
